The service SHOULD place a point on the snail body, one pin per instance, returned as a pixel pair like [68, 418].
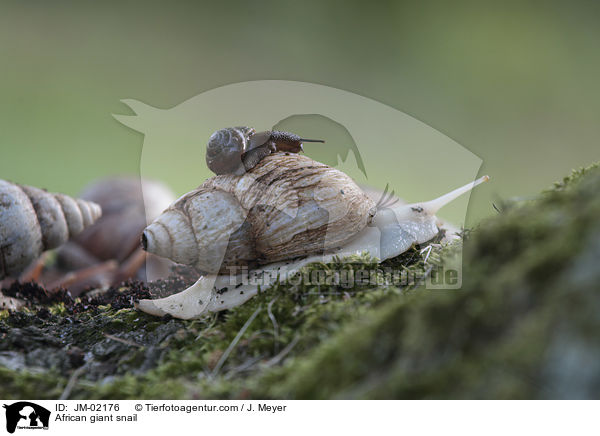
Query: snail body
[33, 221]
[284, 213]
[235, 150]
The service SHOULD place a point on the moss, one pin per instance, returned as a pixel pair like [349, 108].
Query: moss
[573, 178]
[523, 325]
[29, 384]
[127, 354]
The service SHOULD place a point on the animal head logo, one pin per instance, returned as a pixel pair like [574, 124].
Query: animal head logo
[374, 144]
[26, 415]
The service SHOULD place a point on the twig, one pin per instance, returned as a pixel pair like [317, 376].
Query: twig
[428, 249]
[130, 266]
[72, 381]
[79, 276]
[34, 271]
[275, 326]
[123, 341]
[246, 366]
[276, 359]
[425, 275]
[233, 343]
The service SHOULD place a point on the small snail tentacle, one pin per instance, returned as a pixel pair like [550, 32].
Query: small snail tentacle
[33, 220]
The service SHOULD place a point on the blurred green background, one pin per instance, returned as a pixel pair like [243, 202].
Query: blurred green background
[516, 83]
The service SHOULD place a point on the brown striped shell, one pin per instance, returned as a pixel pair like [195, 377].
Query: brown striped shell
[287, 206]
[33, 220]
[225, 149]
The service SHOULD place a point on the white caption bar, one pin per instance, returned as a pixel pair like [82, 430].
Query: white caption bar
[206, 417]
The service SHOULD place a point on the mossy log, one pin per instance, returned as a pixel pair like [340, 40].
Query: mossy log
[523, 325]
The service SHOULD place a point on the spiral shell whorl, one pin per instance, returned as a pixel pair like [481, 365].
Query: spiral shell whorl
[285, 207]
[225, 148]
[185, 232]
[33, 220]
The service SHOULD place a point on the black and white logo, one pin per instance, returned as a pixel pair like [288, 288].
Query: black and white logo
[26, 415]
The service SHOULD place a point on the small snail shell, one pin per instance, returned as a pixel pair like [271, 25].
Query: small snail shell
[285, 213]
[225, 149]
[33, 220]
[235, 150]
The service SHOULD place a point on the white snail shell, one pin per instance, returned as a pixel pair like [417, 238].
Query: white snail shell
[287, 206]
[33, 220]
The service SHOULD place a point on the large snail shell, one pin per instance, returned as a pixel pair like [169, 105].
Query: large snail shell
[225, 148]
[287, 206]
[33, 220]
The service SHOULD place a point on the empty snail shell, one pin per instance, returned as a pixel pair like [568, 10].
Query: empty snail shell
[128, 205]
[235, 150]
[284, 208]
[33, 220]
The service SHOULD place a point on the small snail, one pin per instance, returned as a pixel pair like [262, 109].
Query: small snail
[286, 212]
[33, 220]
[235, 150]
